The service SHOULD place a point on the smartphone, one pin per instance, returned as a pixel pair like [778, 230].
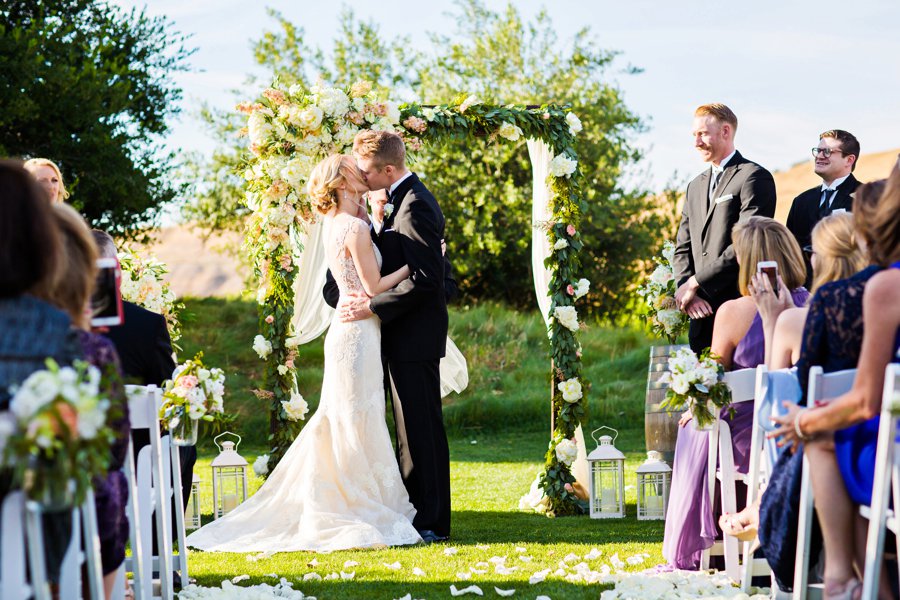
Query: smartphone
[770, 269]
[106, 303]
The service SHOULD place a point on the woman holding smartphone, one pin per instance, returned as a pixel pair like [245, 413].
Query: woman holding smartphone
[739, 343]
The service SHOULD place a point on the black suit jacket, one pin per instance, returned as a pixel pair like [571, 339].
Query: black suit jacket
[804, 213]
[703, 244]
[413, 314]
[143, 344]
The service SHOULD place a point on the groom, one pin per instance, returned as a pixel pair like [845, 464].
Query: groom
[413, 324]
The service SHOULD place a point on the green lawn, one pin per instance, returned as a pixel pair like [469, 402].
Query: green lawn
[498, 431]
[488, 478]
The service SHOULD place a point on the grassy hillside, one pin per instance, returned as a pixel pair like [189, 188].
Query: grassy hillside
[509, 387]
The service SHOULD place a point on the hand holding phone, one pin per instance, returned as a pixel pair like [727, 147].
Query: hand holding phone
[106, 302]
[770, 269]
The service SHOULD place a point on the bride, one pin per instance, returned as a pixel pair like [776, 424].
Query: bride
[338, 485]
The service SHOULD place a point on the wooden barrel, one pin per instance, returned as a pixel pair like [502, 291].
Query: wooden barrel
[660, 427]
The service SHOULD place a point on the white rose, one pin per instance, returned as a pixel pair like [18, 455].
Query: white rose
[468, 102]
[566, 451]
[680, 383]
[662, 275]
[560, 244]
[428, 113]
[262, 346]
[359, 104]
[282, 370]
[38, 390]
[669, 318]
[571, 389]
[333, 102]
[258, 128]
[310, 118]
[562, 166]
[261, 465]
[574, 123]
[510, 132]
[297, 408]
[582, 288]
[393, 113]
[567, 317]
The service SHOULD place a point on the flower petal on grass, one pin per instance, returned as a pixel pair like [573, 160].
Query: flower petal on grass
[393, 566]
[504, 592]
[472, 589]
[482, 546]
[239, 578]
[450, 551]
[593, 554]
[275, 575]
[332, 576]
[539, 576]
[504, 570]
[497, 560]
[350, 575]
[418, 572]
[570, 557]
[521, 550]
[526, 559]
[313, 563]
[464, 576]
[312, 577]
[350, 563]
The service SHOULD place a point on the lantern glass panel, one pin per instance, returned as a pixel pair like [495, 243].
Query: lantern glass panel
[652, 495]
[606, 486]
[192, 512]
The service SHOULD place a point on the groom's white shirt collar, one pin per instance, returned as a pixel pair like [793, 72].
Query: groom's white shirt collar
[398, 182]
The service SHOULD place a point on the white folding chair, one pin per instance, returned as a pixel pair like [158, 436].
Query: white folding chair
[84, 521]
[132, 510]
[153, 504]
[13, 581]
[822, 389]
[173, 492]
[887, 481]
[721, 466]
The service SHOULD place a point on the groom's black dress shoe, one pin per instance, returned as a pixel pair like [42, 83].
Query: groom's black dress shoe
[430, 537]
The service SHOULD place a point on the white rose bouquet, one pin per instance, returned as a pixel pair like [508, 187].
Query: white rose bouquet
[658, 292]
[56, 437]
[194, 393]
[696, 383]
[143, 282]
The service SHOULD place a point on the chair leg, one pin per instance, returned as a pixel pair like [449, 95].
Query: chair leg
[880, 496]
[804, 533]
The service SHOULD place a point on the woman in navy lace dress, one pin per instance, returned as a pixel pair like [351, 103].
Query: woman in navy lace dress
[71, 291]
[853, 417]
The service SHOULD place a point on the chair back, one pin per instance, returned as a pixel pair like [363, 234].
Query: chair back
[742, 383]
[143, 405]
[825, 387]
[13, 582]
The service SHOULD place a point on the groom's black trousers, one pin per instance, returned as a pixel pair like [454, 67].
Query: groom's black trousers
[418, 391]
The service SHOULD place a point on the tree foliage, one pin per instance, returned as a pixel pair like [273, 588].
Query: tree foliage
[89, 86]
[484, 188]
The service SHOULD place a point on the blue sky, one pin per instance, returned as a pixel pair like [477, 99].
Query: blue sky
[788, 69]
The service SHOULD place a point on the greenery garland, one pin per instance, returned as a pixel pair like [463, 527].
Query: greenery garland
[291, 129]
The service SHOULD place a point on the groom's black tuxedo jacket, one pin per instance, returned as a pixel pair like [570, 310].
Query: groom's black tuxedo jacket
[804, 213]
[703, 244]
[413, 314]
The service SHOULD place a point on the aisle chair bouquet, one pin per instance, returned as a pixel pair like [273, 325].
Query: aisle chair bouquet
[658, 292]
[194, 393]
[55, 437]
[144, 284]
[696, 383]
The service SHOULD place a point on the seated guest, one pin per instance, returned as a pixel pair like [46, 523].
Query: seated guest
[70, 289]
[842, 471]
[838, 253]
[49, 177]
[739, 343]
[32, 330]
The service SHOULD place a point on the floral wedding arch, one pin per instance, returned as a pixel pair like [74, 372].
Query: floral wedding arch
[291, 129]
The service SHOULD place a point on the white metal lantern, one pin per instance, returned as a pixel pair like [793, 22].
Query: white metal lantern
[192, 512]
[654, 477]
[607, 485]
[229, 473]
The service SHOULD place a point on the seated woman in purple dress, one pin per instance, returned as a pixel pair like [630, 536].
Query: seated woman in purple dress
[738, 340]
[71, 290]
[842, 473]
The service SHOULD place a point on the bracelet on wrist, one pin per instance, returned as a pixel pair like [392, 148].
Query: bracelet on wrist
[800, 435]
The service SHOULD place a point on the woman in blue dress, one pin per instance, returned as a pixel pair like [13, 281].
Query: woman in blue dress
[842, 474]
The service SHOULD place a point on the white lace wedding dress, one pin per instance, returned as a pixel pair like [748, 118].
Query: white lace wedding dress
[338, 486]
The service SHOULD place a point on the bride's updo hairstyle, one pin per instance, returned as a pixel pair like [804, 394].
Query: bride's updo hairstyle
[325, 179]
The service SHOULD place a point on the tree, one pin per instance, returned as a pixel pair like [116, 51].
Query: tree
[89, 86]
[485, 191]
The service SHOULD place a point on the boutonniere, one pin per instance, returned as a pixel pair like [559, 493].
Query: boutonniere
[388, 210]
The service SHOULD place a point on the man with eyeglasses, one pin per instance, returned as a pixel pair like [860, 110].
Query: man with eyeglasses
[834, 161]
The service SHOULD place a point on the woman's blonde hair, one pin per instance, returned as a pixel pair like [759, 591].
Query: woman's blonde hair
[325, 179]
[73, 281]
[885, 248]
[33, 163]
[839, 254]
[760, 238]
